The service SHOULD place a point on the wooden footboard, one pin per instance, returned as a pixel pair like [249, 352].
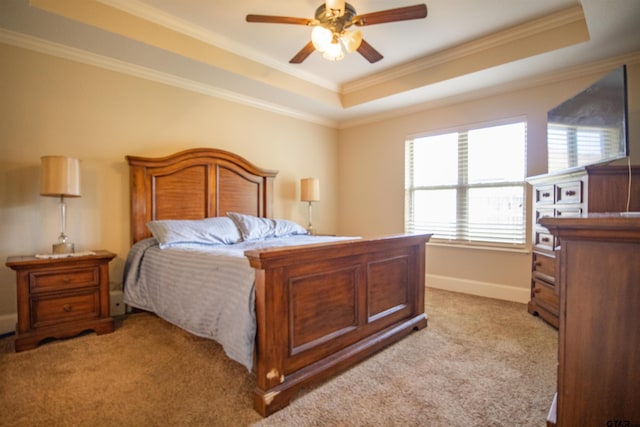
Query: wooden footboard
[323, 308]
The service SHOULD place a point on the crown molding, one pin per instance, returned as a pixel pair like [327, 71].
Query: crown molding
[602, 66]
[78, 55]
[149, 13]
[557, 20]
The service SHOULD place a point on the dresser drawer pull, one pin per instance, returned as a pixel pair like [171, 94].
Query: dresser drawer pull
[67, 308]
[545, 239]
[536, 290]
[570, 193]
[546, 195]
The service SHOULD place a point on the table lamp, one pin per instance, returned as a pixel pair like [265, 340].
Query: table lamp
[310, 192]
[60, 177]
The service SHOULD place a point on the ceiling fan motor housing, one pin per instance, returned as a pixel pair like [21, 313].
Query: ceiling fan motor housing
[336, 24]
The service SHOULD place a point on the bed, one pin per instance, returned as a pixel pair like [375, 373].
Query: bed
[320, 306]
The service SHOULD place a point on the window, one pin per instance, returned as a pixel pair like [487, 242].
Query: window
[468, 186]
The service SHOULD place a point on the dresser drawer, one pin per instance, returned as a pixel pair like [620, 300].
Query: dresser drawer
[544, 267]
[544, 240]
[569, 192]
[569, 212]
[63, 279]
[544, 194]
[545, 213]
[53, 309]
[545, 296]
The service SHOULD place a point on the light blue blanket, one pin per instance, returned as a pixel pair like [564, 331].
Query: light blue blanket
[205, 290]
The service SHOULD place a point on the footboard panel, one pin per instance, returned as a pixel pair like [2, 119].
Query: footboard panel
[322, 308]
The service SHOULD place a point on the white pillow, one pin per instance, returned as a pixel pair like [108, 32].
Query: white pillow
[208, 231]
[255, 228]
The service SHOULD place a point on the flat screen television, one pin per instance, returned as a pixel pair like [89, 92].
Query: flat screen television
[591, 127]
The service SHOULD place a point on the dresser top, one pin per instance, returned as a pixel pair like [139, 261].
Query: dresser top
[610, 226]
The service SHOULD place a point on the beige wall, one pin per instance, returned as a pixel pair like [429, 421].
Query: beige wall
[54, 106]
[371, 168]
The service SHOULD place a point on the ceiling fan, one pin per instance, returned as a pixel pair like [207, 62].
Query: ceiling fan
[332, 20]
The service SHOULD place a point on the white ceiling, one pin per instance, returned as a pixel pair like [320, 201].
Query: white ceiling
[448, 23]
[421, 57]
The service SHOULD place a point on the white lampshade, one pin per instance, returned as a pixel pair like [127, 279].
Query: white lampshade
[352, 40]
[333, 52]
[321, 38]
[310, 190]
[60, 176]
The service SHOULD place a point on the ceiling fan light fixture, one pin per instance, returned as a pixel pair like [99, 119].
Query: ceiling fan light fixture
[333, 52]
[332, 20]
[321, 38]
[352, 40]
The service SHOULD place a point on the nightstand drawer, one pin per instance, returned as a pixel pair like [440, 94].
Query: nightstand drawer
[63, 279]
[47, 310]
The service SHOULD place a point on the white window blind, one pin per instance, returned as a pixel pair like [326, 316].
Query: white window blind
[468, 186]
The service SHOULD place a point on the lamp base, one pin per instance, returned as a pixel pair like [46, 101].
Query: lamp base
[63, 248]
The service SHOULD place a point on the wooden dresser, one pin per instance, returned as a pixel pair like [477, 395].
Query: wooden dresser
[599, 329]
[61, 297]
[571, 195]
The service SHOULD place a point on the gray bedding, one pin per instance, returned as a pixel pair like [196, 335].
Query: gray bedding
[206, 290]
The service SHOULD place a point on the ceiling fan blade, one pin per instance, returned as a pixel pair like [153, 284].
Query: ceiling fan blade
[302, 55]
[269, 19]
[417, 11]
[369, 52]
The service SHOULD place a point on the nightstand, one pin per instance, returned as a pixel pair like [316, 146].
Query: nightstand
[61, 297]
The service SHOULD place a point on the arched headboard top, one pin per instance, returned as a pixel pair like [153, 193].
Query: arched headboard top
[195, 184]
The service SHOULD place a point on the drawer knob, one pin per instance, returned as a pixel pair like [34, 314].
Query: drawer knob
[545, 239]
[546, 195]
[67, 307]
[536, 290]
[570, 193]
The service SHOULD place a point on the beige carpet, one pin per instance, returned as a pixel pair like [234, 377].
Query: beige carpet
[480, 362]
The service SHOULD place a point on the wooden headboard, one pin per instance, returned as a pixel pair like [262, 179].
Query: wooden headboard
[195, 184]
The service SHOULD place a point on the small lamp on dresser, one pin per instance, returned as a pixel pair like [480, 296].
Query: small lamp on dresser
[60, 177]
[310, 192]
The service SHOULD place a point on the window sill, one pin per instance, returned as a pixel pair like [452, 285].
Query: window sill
[479, 246]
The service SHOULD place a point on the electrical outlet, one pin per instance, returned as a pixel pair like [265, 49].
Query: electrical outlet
[117, 306]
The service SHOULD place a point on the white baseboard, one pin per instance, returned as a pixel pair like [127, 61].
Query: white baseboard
[483, 289]
[8, 323]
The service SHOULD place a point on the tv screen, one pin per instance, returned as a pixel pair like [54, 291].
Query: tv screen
[591, 127]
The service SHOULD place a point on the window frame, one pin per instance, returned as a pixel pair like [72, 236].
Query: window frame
[462, 186]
